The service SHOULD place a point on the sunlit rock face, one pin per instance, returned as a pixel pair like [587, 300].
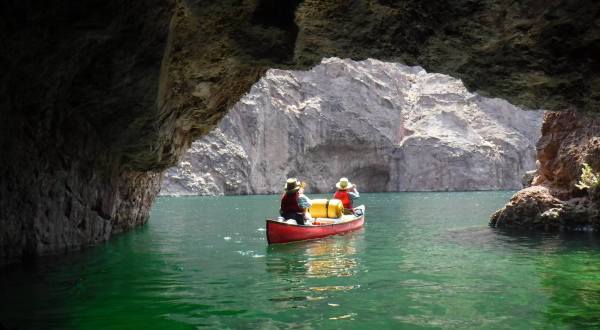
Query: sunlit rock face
[554, 202]
[387, 126]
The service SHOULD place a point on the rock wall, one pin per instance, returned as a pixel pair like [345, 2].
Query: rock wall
[95, 88]
[568, 140]
[387, 126]
[79, 84]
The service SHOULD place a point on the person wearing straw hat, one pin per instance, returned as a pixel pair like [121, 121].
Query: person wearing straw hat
[294, 204]
[346, 192]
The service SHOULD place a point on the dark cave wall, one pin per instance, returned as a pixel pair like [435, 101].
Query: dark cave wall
[100, 96]
[79, 80]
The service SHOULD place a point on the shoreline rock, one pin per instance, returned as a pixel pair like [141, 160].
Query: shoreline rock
[568, 140]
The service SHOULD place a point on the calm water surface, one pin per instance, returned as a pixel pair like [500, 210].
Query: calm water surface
[423, 260]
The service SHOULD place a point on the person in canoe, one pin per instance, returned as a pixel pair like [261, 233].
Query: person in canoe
[294, 204]
[347, 193]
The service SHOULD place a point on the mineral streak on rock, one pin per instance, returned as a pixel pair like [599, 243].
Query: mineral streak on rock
[387, 126]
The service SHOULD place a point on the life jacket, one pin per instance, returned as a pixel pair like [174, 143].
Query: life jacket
[289, 203]
[344, 196]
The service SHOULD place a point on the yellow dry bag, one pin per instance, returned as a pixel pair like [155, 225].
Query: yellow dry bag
[326, 208]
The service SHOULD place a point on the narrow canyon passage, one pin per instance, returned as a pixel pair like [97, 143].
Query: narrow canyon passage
[101, 100]
[100, 97]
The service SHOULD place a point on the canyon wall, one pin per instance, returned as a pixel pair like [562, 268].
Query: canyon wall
[386, 126]
[78, 86]
[99, 97]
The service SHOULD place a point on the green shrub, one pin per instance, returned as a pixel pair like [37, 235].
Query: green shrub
[589, 180]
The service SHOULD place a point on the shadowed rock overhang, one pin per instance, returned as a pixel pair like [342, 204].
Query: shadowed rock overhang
[98, 97]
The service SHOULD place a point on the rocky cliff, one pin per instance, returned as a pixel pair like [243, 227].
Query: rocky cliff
[568, 140]
[78, 87]
[99, 97]
[387, 126]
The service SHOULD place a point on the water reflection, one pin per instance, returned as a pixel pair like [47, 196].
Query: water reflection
[324, 258]
[332, 258]
[518, 241]
[302, 268]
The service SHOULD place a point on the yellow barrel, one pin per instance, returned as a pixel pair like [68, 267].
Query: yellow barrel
[326, 208]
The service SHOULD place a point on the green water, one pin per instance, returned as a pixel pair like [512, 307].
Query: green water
[423, 260]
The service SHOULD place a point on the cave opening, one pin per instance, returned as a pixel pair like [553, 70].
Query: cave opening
[102, 96]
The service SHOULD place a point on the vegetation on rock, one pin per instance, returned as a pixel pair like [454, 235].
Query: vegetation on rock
[589, 179]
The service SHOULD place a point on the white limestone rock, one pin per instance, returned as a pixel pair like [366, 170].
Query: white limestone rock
[386, 126]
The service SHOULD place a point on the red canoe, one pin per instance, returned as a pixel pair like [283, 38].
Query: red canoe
[281, 232]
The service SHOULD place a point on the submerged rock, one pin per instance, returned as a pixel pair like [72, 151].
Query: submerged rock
[387, 126]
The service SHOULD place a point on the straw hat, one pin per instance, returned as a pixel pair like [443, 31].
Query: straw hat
[293, 185]
[344, 184]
